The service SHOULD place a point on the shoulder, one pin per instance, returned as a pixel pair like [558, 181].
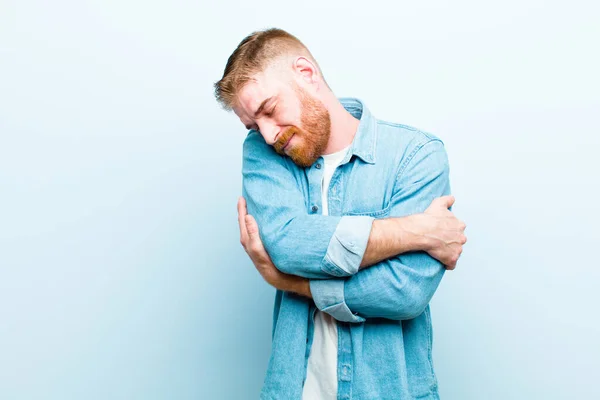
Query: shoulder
[409, 146]
[259, 155]
[404, 135]
[254, 141]
[255, 147]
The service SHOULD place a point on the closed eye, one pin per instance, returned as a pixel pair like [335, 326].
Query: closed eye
[270, 113]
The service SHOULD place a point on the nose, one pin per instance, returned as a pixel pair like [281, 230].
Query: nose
[269, 131]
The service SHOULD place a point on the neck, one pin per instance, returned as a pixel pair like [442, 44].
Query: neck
[343, 125]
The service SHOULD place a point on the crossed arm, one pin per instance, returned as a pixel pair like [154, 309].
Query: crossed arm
[326, 257]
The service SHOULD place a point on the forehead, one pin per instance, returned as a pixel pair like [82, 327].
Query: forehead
[274, 81]
[256, 90]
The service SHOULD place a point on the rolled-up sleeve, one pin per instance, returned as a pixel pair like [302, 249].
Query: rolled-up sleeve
[347, 246]
[328, 295]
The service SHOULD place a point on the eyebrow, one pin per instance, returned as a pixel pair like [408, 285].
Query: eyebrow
[262, 106]
[261, 109]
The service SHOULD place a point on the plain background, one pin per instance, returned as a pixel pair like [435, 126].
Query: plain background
[121, 273]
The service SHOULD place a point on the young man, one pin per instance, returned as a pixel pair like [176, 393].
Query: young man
[354, 216]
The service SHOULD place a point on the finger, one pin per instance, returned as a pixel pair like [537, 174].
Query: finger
[254, 241]
[255, 244]
[451, 264]
[447, 201]
[252, 228]
[242, 221]
[244, 205]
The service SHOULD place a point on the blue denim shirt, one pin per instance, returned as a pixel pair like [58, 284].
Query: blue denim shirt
[382, 312]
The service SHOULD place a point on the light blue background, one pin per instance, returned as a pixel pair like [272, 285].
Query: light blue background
[121, 273]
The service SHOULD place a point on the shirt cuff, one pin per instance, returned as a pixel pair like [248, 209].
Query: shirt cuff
[328, 295]
[347, 246]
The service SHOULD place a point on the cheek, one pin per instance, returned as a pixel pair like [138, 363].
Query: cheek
[290, 116]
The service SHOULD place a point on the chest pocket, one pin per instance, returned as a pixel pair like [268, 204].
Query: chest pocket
[369, 195]
[367, 189]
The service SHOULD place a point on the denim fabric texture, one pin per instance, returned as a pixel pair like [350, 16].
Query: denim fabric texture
[382, 312]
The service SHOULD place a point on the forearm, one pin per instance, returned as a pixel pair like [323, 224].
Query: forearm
[396, 289]
[388, 238]
[393, 236]
[291, 283]
[316, 246]
[390, 289]
[307, 247]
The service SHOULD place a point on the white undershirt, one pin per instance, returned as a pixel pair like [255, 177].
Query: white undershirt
[321, 373]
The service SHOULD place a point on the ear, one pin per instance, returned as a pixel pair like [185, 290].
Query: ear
[306, 70]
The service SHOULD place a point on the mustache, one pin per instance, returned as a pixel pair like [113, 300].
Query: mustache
[284, 137]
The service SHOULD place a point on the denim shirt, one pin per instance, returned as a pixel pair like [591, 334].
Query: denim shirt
[382, 312]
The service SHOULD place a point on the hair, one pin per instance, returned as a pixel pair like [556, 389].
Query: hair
[253, 55]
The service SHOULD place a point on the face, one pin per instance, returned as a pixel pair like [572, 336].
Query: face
[289, 118]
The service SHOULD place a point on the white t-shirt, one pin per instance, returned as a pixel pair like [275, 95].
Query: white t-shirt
[321, 373]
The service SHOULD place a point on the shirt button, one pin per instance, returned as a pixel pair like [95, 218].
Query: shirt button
[315, 209]
[318, 166]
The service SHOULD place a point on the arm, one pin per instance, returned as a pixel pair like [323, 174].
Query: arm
[388, 290]
[313, 245]
[401, 287]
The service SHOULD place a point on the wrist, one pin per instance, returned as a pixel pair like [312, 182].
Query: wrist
[293, 283]
[412, 233]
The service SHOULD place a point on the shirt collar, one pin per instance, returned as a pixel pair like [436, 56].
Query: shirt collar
[364, 142]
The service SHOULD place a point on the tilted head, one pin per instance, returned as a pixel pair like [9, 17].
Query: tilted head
[274, 85]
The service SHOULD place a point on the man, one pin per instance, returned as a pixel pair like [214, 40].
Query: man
[354, 216]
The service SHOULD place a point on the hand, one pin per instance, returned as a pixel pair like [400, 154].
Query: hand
[253, 245]
[444, 232]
